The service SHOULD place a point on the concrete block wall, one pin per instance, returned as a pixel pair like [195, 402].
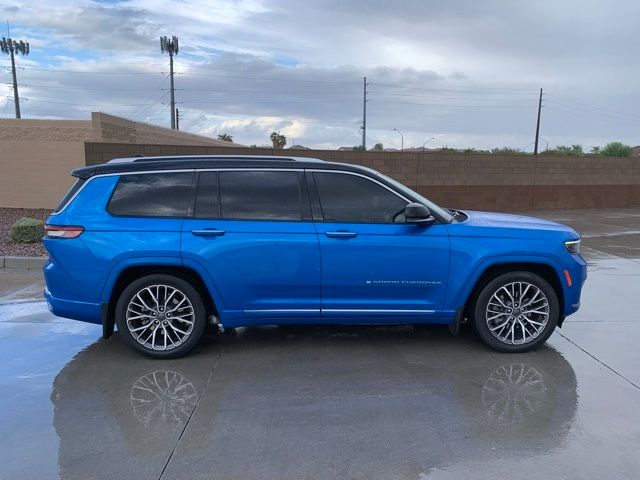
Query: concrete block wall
[475, 181]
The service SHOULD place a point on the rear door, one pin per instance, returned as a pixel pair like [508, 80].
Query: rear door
[252, 232]
[373, 264]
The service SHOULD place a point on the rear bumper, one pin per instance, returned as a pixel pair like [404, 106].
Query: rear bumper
[83, 311]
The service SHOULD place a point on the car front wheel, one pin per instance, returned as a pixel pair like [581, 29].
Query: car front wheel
[161, 316]
[516, 312]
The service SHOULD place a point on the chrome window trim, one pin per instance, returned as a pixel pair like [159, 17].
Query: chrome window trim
[356, 174]
[226, 169]
[90, 179]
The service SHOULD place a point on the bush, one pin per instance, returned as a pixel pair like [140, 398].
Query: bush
[27, 230]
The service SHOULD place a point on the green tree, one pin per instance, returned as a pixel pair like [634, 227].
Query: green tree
[378, 147]
[359, 148]
[595, 150]
[616, 149]
[225, 137]
[507, 151]
[278, 140]
[446, 149]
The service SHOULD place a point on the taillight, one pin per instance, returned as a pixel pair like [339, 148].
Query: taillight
[54, 231]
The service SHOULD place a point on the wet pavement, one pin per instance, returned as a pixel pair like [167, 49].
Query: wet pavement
[329, 402]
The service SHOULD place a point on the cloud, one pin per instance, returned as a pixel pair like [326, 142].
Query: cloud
[464, 71]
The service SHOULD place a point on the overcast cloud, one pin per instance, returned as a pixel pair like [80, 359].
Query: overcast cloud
[465, 72]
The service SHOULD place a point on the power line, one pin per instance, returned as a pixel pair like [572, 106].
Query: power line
[452, 105]
[590, 109]
[618, 122]
[158, 86]
[57, 70]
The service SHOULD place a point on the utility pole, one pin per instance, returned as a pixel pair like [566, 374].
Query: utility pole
[170, 46]
[535, 148]
[11, 47]
[177, 119]
[364, 114]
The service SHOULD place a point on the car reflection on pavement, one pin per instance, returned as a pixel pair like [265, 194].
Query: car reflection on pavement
[278, 394]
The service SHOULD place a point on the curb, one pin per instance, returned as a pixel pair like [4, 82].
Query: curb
[24, 263]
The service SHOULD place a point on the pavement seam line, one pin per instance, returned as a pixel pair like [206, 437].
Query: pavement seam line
[186, 424]
[600, 361]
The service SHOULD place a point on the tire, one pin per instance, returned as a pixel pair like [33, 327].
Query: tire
[153, 327]
[501, 323]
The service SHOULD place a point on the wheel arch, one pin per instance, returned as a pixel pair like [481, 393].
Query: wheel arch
[133, 272]
[545, 270]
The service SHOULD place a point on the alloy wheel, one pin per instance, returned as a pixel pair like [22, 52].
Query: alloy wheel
[517, 313]
[160, 317]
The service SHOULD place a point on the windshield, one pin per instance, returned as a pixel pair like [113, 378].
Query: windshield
[439, 211]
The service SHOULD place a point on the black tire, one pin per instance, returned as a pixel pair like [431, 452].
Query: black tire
[482, 301]
[199, 316]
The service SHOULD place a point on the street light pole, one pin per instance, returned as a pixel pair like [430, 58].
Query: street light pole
[401, 139]
[428, 140]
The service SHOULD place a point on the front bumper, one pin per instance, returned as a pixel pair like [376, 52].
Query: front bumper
[578, 271]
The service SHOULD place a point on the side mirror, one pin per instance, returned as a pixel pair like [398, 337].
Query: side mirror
[418, 214]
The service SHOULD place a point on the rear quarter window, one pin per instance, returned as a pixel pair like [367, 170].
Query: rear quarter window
[152, 195]
[69, 195]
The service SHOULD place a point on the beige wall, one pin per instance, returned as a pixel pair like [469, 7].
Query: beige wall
[35, 174]
[36, 156]
[482, 182]
[108, 128]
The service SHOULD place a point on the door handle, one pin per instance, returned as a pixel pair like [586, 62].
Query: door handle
[208, 232]
[341, 234]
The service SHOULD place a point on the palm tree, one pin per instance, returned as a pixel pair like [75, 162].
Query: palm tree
[225, 137]
[595, 149]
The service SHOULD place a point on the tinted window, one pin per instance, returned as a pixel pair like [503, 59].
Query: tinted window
[260, 195]
[207, 197]
[350, 198]
[152, 195]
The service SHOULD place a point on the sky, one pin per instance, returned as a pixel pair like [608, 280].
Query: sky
[456, 73]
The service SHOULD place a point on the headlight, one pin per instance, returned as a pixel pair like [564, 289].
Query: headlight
[573, 246]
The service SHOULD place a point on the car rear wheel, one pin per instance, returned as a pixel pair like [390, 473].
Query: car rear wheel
[161, 316]
[516, 312]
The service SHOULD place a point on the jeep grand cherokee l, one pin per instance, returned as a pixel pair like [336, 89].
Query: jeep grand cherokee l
[164, 246]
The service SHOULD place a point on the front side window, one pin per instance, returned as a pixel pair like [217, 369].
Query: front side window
[260, 195]
[152, 195]
[354, 199]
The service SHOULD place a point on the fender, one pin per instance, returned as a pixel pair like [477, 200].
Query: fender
[209, 282]
[461, 297]
[120, 266]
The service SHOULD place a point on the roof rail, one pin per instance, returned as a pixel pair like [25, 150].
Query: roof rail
[249, 158]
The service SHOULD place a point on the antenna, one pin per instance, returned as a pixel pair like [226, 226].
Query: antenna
[170, 46]
[11, 47]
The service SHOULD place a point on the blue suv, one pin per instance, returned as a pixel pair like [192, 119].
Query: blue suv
[166, 246]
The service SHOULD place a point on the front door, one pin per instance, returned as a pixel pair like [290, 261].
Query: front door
[254, 236]
[375, 267]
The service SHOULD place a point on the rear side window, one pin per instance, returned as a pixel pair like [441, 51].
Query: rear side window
[260, 195]
[152, 195]
[353, 199]
[69, 195]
